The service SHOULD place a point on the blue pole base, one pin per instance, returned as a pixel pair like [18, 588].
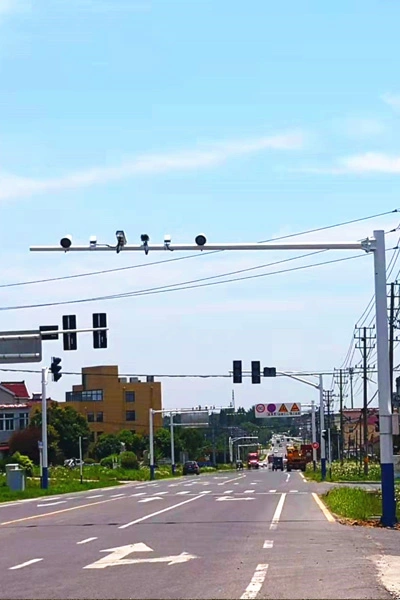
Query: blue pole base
[388, 518]
[152, 472]
[323, 468]
[45, 478]
[173, 467]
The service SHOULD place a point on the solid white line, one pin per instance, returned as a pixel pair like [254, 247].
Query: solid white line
[159, 512]
[256, 583]
[249, 491]
[52, 503]
[268, 544]
[278, 511]
[322, 506]
[25, 564]
[96, 496]
[302, 476]
[87, 540]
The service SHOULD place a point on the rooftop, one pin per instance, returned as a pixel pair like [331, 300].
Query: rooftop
[17, 387]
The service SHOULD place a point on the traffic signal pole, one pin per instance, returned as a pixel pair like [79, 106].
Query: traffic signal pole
[45, 467]
[376, 245]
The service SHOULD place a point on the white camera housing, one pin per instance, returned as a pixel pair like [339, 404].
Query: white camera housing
[93, 241]
[66, 242]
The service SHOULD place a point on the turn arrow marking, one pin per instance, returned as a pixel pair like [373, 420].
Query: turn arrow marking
[117, 557]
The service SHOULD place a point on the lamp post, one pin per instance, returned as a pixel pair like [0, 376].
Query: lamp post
[376, 245]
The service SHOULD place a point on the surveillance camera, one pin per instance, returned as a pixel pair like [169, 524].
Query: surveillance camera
[121, 239]
[167, 239]
[66, 242]
[201, 239]
[145, 238]
[93, 241]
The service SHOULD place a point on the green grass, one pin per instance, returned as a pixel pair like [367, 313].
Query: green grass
[349, 471]
[33, 489]
[356, 503]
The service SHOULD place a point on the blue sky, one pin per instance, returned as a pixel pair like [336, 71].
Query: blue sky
[164, 116]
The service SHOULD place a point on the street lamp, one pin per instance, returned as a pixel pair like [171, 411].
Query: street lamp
[376, 245]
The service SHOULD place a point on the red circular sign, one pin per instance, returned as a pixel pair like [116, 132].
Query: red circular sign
[260, 408]
[315, 445]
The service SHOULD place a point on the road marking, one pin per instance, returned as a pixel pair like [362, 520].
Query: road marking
[278, 511]
[150, 499]
[293, 491]
[138, 494]
[236, 484]
[288, 477]
[206, 492]
[159, 512]
[229, 480]
[228, 491]
[181, 493]
[162, 493]
[302, 476]
[52, 499]
[87, 540]
[322, 506]
[117, 495]
[96, 496]
[25, 564]
[256, 582]
[57, 512]
[253, 484]
[268, 544]
[272, 491]
[52, 503]
[222, 498]
[249, 491]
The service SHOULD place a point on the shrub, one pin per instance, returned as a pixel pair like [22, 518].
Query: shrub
[129, 460]
[23, 461]
[89, 461]
[107, 461]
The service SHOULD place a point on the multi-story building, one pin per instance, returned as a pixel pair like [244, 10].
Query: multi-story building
[14, 411]
[111, 403]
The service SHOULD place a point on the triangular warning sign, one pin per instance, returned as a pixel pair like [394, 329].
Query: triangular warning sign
[283, 409]
[295, 408]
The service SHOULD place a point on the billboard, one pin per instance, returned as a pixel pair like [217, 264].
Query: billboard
[198, 418]
[280, 409]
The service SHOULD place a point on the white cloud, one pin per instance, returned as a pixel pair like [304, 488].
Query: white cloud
[12, 186]
[393, 100]
[363, 127]
[13, 6]
[366, 163]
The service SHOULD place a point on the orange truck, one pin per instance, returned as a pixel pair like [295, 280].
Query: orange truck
[252, 460]
[296, 458]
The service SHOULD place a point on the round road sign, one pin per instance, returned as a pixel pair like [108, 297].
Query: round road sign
[315, 445]
[271, 408]
[260, 408]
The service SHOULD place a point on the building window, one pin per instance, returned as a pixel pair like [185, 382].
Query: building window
[7, 422]
[23, 420]
[130, 397]
[87, 396]
[99, 417]
[90, 417]
[130, 415]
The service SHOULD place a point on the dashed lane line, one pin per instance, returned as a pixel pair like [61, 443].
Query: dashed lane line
[206, 492]
[181, 493]
[256, 582]
[268, 544]
[91, 539]
[228, 491]
[278, 511]
[51, 503]
[138, 494]
[272, 491]
[159, 512]
[322, 506]
[249, 491]
[25, 564]
[229, 480]
[117, 495]
[95, 496]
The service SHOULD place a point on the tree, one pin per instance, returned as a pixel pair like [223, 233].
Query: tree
[193, 441]
[129, 460]
[26, 441]
[69, 425]
[162, 442]
[107, 444]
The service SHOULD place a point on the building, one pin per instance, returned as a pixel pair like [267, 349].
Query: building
[111, 403]
[14, 411]
[353, 430]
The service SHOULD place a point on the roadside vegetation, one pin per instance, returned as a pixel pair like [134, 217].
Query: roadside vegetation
[349, 471]
[356, 503]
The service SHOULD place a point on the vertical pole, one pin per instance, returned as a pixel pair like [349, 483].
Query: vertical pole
[151, 442]
[329, 453]
[45, 466]
[341, 416]
[171, 425]
[322, 427]
[80, 459]
[388, 518]
[230, 450]
[391, 341]
[313, 435]
[351, 372]
[365, 404]
[213, 447]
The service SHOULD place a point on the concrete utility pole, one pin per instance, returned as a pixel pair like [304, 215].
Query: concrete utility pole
[313, 435]
[322, 426]
[365, 346]
[341, 380]
[376, 245]
[351, 374]
[394, 294]
[45, 463]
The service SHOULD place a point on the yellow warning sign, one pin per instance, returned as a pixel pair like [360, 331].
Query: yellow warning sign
[295, 408]
[283, 409]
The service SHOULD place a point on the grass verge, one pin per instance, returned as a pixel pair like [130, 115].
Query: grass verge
[349, 471]
[33, 489]
[356, 503]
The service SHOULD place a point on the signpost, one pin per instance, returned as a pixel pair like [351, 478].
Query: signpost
[315, 445]
[280, 409]
[20, 346]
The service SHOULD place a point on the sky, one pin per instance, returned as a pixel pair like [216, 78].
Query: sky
[241, 121]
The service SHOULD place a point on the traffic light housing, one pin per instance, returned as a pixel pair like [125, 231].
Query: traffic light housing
[70, 339]
[55, 368]
[237, 371]
[324, 434]
[255, 371]
[99, 336]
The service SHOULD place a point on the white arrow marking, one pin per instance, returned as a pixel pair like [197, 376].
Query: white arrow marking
[117, 557]
[222, 498]
[52, 503]
[150, 499]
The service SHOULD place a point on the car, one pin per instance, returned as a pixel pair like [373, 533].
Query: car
[191, 466]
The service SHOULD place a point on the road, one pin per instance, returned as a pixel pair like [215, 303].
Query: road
[244, 535]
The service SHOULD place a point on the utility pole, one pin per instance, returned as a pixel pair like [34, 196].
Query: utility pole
[351, 373]
[341, 383]
[394, 294]
[364, 338]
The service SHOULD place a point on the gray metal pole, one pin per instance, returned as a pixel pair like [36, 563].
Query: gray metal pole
[45, 466]
[151, 442]
[80, 459]
[322, 426]
[171, 425]
[313, 434]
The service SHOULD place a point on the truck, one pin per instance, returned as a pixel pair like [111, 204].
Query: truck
[252, 460]
[296, 458]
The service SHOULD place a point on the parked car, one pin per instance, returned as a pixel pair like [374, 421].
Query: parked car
[191, 467]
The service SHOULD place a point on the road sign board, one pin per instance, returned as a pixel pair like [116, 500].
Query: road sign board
[20, 346]
[50, 336]
[315, 445]
[281, 409]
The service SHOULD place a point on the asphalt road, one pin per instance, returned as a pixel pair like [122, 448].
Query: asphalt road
[253, 534]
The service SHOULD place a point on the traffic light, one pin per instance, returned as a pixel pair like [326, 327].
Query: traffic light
[70, 339]
[99, 337]
[237, 371]
[269, 372]
[255, 371]
[55, 368]
[324, 434]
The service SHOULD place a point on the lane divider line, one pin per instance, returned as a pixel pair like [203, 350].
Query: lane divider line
[256, 582]
[159, 512]
[278, 511]
[26, 564]
[268, 544]
[322, 506]
[87, 540]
